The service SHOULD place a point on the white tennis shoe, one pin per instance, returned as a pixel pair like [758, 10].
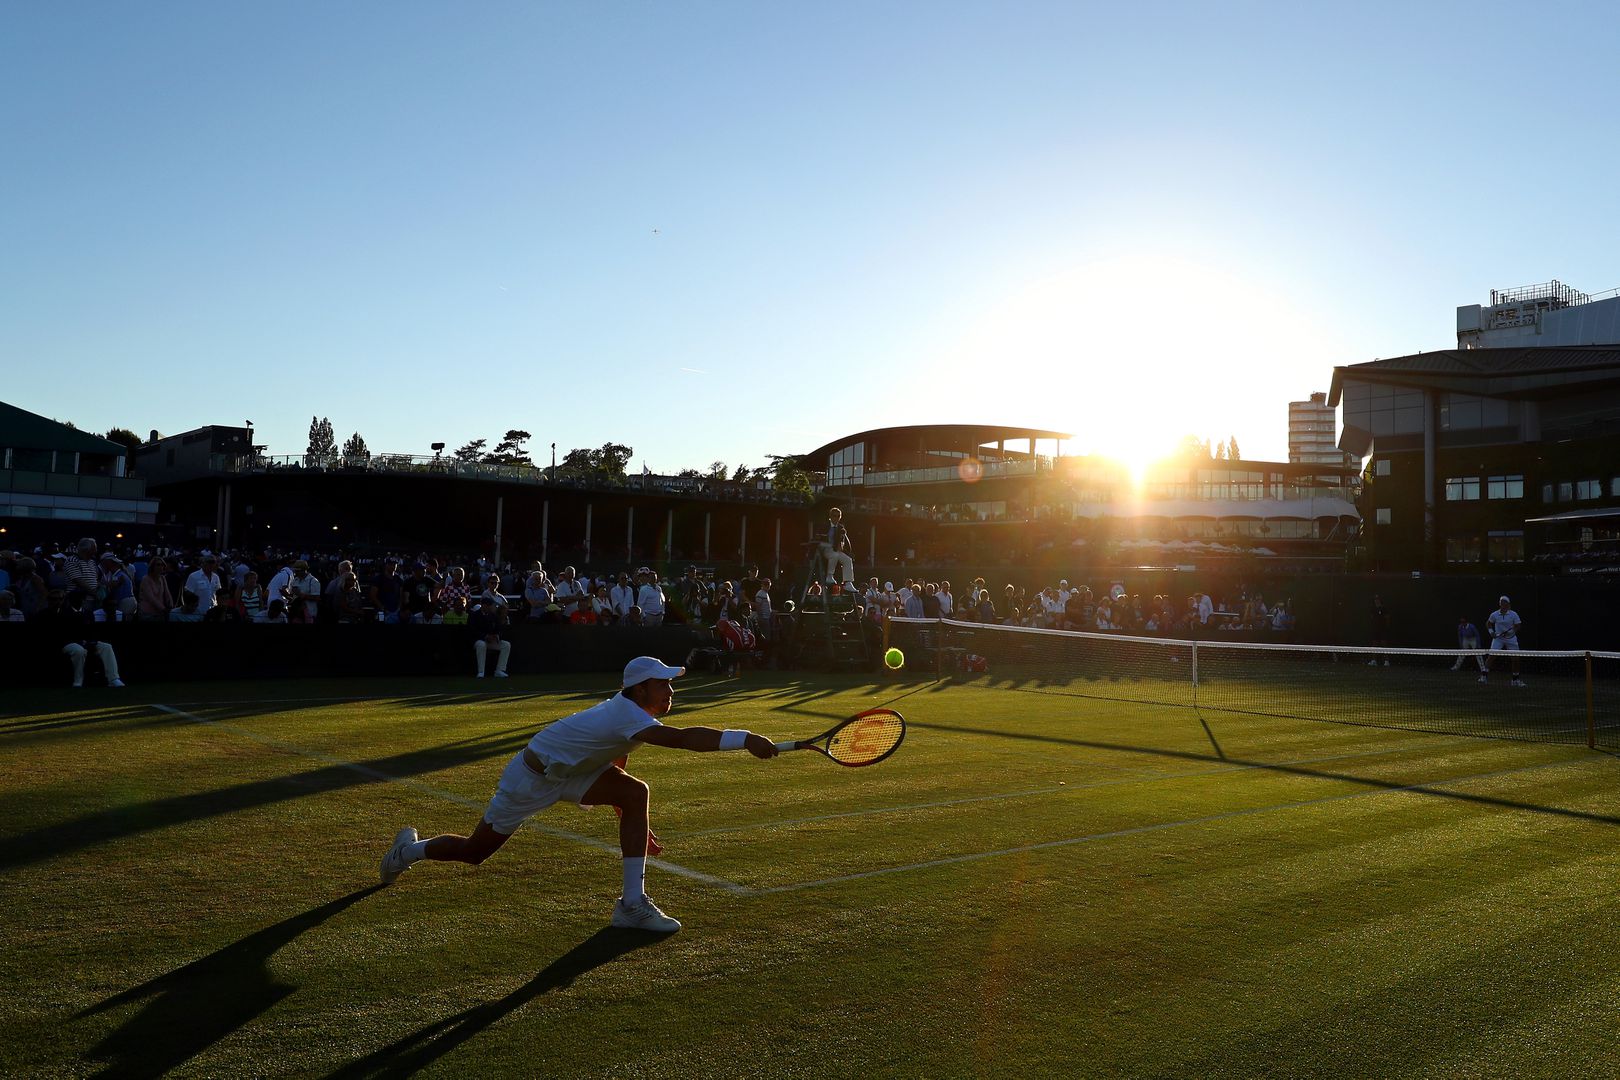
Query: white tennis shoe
[644, 916]
[393, 863]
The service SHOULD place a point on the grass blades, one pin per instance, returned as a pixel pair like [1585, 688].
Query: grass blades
[1034, 885]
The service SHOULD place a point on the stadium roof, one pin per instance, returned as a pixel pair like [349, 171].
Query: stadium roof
[955, 435]
[30, 431]
[1489, 372]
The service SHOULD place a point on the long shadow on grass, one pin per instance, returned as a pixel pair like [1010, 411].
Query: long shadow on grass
[193, 1007]
[125, 821]
[1429, 788]
[420, 1049]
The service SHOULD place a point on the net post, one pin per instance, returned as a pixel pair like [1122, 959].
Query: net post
[885, 633]
[1591, 717]
[1195, 663]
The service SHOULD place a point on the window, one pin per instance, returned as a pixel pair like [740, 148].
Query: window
[847, 465]
[1566, 491]
[1506, 546]
[1465, 412]
[1462, 549]
[1381, 515]
[1546, 493]
[1381, 467]
[1383, 410]
[1614, 486]
[1588, 489]
[1462, 489]
[1504, 487]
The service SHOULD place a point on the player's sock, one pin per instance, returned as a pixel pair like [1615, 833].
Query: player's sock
[635, 876]
[415, 852]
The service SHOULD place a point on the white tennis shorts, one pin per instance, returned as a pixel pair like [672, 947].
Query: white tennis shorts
[1505, 643]
[523, 793]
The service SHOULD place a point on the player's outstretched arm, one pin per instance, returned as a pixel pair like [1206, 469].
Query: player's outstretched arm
[704, 739]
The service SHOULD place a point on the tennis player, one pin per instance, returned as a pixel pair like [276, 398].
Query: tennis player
[575, 759]
[1503, 626]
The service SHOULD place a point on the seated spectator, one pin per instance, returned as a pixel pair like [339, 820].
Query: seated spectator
[154, 600]
[9, 612]
[117, 588]
[633, 616]
[456, 613]
[189, 610]
[74, 630]
[602, 606]
[227, 608]
[29, 588]
[276, 613]
[486, 621]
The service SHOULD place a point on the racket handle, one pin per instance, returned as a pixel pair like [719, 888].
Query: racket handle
[791, 744]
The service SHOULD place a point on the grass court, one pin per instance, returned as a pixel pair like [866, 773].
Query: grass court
[1035, 885]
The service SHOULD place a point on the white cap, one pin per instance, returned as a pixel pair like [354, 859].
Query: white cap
[888, 586]
[643, 668]
[1503, 600]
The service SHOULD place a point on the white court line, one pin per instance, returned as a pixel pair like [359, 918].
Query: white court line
[480, 692]
[450, 796]
[1434, 786]
[1055, 790]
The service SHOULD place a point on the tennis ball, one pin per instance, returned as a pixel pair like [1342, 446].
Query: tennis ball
[895, 659]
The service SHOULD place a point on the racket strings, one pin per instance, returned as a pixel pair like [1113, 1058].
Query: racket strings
[867, 738]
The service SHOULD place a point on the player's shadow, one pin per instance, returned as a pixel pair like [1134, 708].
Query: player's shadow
[420, 1049]
[193, 1007]
[117, 823]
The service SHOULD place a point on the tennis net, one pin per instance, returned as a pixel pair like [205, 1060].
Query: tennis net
[1564, 697]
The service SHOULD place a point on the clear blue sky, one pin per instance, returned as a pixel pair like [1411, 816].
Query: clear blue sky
[718, 231]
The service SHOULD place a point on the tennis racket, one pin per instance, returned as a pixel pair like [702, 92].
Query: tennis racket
[864, 739]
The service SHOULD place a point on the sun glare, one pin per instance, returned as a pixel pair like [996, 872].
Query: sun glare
[1133, 354]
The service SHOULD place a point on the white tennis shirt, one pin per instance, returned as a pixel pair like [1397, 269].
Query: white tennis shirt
[584, 742]
[1504, 625]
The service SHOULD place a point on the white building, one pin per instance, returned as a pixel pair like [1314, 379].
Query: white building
[1311, 430]
[1551, 314]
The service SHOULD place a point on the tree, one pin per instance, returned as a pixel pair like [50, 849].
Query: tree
[718, 470]
[741, 475]
[1220, 451]
[510, 450]
[355, 448]
[471, 452]
[612, 458]
[322, 442]
[787, 474]
[128, 440]
[1190, 446]
[1232, 449]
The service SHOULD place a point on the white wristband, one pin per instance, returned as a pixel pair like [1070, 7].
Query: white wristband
[731, 739]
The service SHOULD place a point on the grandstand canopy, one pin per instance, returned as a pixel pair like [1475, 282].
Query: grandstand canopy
[958, 438]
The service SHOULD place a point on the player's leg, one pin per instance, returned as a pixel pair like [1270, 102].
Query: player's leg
[451, 847]
[635, 909]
